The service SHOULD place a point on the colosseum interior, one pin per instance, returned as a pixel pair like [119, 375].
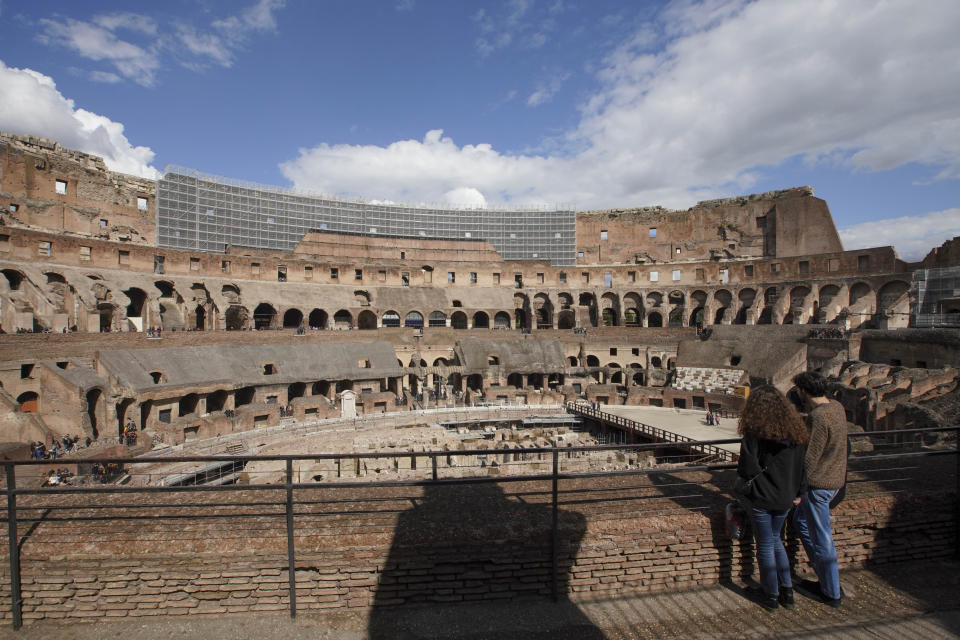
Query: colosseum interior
[150, 321]
[111, 314]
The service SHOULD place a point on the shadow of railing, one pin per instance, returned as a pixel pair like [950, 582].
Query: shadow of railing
[490, 523]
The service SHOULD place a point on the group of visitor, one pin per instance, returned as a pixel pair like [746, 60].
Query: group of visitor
[286, 412]
[712, 419]
[155, 332]
[102, 473]
[57, 477]
[129, 434]
[58, 447]
[786, 464]
[826, 333]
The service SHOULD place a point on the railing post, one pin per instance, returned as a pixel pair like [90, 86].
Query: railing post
[433, 461]
[555, 530]
[16, 598]
[291, 556]
[956, 502]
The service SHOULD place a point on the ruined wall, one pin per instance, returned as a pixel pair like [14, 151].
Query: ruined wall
[777, 224]
[456, 545]
[95, 202]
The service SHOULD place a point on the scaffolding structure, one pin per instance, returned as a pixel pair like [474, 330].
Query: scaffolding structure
[202, 212]
[935, 294]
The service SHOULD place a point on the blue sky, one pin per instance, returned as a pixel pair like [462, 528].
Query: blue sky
[524, 102]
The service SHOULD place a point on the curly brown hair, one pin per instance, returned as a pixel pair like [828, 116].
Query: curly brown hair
[770, 416]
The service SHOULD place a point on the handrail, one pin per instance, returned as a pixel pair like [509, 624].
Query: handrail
[657, 433]
[11, 491]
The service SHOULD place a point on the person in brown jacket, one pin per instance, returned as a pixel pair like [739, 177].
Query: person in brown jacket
[826, 466]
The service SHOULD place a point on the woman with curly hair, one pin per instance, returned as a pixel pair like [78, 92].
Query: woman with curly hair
[771, 479]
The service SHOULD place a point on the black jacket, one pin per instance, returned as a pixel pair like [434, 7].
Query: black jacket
[779, 470]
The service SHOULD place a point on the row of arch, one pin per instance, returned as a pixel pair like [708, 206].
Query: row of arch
[562, 310]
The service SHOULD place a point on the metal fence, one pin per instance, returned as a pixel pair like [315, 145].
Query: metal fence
[888, 466]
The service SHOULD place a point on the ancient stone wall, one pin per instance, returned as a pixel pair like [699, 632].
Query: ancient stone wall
[455, 545]
[45, 186]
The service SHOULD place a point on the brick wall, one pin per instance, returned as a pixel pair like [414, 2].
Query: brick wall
[438, 544]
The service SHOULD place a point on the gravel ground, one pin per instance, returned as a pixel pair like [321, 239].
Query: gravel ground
[899, 602]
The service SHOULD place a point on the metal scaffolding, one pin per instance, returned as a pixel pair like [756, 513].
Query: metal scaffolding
[936, 293]
[210, 213]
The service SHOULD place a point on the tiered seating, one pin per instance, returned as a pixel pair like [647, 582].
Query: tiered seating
[706, 379]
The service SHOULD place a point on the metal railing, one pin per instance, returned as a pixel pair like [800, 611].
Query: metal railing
[433, 476]
[655, 433]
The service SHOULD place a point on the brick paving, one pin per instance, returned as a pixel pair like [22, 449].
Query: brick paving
[902, 602]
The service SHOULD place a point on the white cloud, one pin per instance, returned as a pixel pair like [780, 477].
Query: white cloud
[95, 41]
[912, 236]
[32, 105]
[547, 89]
[465, 198]
[520, 23]
[700, 104]
[146, 45]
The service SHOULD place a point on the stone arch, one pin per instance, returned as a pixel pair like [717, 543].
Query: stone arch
[543, 309]
[438, 319]
[654, 319]
[216, 401]
[200, 317]
[296, 390]
[317, 319]
[610, 305]
[481, 320]
[501, 320]
[890, 293]
[137, 297]
[829, 296]
[515, 380]
[566, 319]
[28, 402]
[188, 404]
[593, 361]
[54, 277]
[722, 299]
[343, 319]
[565, 300]
[458, 320]
[14, 278]
[413, 320]
[264, 316]
[746, 297]
[235, 317]
[367, 320]
[292, 318]
[389, 319]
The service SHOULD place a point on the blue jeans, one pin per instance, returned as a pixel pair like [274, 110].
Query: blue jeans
[771, 555]
[812, 520]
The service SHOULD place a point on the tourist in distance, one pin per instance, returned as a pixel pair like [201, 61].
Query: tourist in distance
[771, 479]
[826, 465]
